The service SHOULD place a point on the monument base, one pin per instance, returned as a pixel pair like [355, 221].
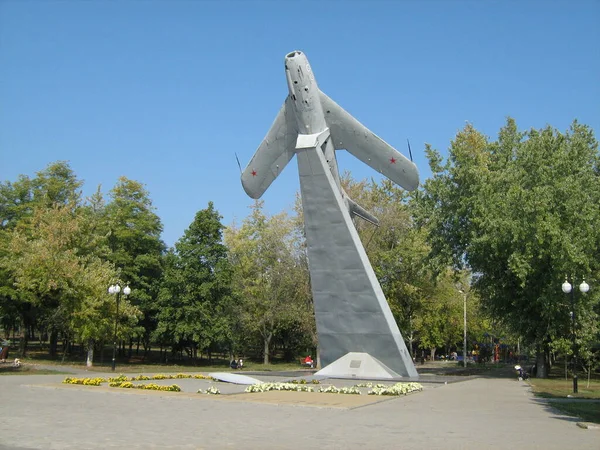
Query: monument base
[358, 365]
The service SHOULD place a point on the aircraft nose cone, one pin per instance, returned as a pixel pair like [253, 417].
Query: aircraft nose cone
[293, 54]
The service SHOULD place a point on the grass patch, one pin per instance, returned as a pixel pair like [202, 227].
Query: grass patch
[152, 363]
[588, 411]
[489, 370]
[137, 368]
[160, 368]
[560, 388]
[28, 370]
[145, 368]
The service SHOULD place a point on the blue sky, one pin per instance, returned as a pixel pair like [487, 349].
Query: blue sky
[165, 92]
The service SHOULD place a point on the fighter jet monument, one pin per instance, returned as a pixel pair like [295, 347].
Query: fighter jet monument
[352, 314]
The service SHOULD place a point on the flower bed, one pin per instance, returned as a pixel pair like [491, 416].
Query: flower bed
[85, 381]
[303, 381]
[397, 389]
[149, 386]
[264, 387]
[378, 389]
[211, 391]
[124, 381]
[345, 390]
[121, 377]
[368, 384]
[161, 376]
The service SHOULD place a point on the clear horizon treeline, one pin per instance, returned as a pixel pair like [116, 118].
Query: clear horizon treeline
[500, 223]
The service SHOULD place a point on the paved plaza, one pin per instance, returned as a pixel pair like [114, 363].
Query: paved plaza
[38, 412]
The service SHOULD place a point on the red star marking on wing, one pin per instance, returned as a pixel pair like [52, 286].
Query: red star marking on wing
[254, 173]
[393, 160]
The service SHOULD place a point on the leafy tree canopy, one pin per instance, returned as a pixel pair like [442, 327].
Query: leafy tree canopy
[521, 212]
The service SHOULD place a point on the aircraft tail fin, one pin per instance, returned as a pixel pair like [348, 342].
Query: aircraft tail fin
[273, 154]
[356, 210]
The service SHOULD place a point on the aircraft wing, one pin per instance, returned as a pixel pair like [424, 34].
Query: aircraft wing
[273, 154]
[348, 133]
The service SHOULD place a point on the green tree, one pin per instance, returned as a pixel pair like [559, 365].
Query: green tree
[94, 322]
[398, 252]
[56, 270]
[57, 185]
[136, 249]
[195, 297]
[266, 261]
[300, 336]
[15, 201]
[520, 212]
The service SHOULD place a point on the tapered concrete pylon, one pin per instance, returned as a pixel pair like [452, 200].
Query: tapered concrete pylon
[351, 311]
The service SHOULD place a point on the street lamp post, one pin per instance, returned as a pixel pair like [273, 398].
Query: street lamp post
[567, 288]
[116, 290]
[464, 293]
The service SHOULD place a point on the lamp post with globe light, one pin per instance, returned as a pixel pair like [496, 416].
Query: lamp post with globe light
[116, 290]
[567, 288]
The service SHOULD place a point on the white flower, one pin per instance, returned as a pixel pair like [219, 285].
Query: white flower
[264, 387]
[396, 389]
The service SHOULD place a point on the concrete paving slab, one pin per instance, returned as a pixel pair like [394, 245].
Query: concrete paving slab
[233, 393]
[476, 414]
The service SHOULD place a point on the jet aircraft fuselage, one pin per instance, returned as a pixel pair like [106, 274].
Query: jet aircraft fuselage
[306, 101]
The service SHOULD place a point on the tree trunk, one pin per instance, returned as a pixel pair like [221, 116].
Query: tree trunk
[411, 337]
[432, 350]
[146, 344]
[267, 342]
[90, 354]
[53, 343]
[540, 361]
[318, 357]
[23, 343]
[66, 348]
